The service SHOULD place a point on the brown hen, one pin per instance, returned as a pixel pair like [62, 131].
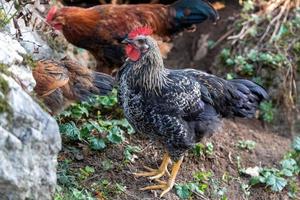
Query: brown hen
[59, 84]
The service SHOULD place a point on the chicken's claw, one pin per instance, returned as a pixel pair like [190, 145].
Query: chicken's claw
[166, 186]
[156, 173]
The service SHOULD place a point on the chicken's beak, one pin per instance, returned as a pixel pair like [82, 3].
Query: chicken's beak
[127, 41]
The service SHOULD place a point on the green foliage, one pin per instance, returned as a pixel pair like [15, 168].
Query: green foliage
[267, 111]
[106, 190]
[293, 189]
[98, 123]
[248, 5]
[106, 165]
[73, 194]
[91, 122]
[86, 172]
[203, 150]
[278, 179]
[129, 152]
[246, 144]
[70, 130]
[270, 177]
[6, 15]
[203, 183]
[246, 64]
[4, 89]
[29, 61]
[72, 184]
[265, 52]
[296, 144]
[198, 185]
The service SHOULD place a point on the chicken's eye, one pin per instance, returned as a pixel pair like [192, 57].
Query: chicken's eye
[141, 41]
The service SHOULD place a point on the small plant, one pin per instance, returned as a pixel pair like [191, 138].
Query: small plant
[130, 151]
[199, 185]
[64, 176]
[74, 194]
[267, 111]
[86, 172]
[278, 179]
[203, 150]
[104, 189]
[90, 122]
[203, 184]
[246, 144]
[106, 165]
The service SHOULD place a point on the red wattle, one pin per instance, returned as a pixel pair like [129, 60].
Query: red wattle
[51, 14]
[132, 52]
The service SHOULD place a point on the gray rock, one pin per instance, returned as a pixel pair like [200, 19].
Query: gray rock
[29, 137]
[29, 145]
[11, 54]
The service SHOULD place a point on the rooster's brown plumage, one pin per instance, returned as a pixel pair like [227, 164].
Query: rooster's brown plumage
[100, 29]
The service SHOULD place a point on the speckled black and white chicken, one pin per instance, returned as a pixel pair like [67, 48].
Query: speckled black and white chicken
[177, 107]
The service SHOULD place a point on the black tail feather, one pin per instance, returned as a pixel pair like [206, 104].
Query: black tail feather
[246, 97]
[102, 85]
[103, 82]
[189, 12]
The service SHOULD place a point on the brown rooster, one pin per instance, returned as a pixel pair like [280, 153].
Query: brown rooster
[59, 84]
[100, 29]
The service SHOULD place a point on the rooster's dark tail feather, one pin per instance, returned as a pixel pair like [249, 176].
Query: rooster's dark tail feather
[246, 97]
[189, 12]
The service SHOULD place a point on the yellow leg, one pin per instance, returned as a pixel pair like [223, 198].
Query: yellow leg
[157, 173]
[167, 186]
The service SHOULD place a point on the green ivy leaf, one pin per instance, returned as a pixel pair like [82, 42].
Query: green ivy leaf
[296, 144]
[116, 135]
[276, 183]
[282, 31]
[256, 180]
[183, 191]
[97, 143]
[70, 130]
[129, 152]
[289, 167]
[78, 111]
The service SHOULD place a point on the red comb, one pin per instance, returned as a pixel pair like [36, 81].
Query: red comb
[140, 31]
[51, 14]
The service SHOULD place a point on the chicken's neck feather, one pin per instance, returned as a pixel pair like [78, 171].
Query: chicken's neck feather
[150, 73]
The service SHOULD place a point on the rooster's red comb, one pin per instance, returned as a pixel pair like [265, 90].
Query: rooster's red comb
[140, 31]
[51, 14]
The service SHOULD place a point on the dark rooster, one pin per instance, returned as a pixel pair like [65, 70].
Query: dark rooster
[100, 29]
[59, 84]
[177, 107]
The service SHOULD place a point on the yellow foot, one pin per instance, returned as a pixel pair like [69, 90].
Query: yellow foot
[156, 173]
[166, 186]
[153, 173]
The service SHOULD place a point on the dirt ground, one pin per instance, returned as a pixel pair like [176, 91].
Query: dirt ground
[268, 152]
